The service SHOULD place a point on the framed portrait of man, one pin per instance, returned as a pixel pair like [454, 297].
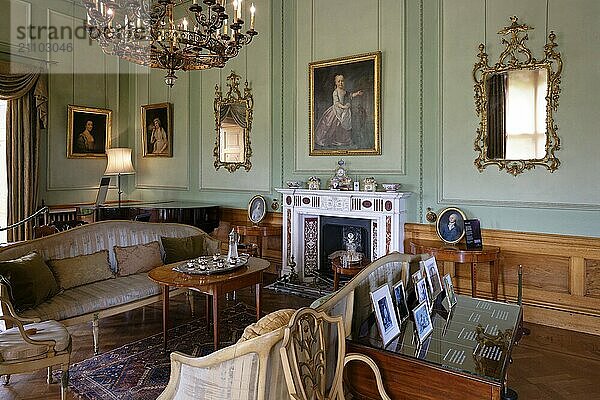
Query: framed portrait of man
[88, 132]
[450, 225]
[344, 105]
[157, 130]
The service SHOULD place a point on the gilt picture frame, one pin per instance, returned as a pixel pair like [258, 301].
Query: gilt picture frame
[257, 209]
[157, 130]
[89, 131]
[344, 106]
[450, 225]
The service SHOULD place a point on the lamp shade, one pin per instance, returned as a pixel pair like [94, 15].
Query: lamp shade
[119, 162]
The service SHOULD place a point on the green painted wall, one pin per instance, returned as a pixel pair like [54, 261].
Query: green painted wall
[428, 118]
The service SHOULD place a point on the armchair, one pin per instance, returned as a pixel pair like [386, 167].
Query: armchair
[243, 371]
[36, 345]
[314, 346]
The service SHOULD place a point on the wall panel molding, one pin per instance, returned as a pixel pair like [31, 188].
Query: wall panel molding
[396, 45]
[15, 48]
[493, 48]
[56, 157]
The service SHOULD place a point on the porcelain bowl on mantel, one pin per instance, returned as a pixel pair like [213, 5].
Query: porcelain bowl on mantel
[294, 184]
[391, 187]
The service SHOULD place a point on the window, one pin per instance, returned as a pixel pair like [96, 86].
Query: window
[3, 172]
[526, 114]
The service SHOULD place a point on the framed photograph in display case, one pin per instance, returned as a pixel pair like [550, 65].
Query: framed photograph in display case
[385, 314]
[417, 276]
[422, 292]
[400, 299]
[449, 288]
[433, 277]
[423, 324]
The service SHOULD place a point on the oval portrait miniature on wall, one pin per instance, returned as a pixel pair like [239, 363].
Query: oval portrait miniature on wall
[450, 225]
[257, 209]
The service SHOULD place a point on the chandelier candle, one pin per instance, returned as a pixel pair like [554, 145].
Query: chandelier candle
[145, 32]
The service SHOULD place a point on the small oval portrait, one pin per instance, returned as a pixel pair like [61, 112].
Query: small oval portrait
[257, 209]
[451, 225]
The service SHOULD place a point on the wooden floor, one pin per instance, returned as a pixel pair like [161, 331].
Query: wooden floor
[549, 364]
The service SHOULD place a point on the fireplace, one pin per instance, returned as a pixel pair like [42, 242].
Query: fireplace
[334, 233]
[309, 216]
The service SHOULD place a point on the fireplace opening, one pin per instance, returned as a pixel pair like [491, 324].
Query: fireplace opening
[335, 235]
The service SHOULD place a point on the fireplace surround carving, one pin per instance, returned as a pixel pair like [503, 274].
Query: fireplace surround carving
[303, 210]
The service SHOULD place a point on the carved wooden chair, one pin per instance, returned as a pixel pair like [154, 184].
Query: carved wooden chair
[30, 347]
[313, 354]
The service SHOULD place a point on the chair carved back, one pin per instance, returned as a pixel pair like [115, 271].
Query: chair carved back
[304, 352]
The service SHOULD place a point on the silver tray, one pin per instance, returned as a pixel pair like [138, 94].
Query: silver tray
[209, 265]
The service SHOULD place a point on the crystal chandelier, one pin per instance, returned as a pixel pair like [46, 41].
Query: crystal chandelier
[164, 34]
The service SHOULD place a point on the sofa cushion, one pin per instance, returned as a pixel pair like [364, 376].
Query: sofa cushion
[137, 258]
[185, 248]
[13, 347]
[268, 323]
[81, 270]
[29, 280]
[95, 296]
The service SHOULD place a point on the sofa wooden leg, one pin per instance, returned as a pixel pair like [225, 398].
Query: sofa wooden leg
[49, 379]
[95, 333]
[64, 381]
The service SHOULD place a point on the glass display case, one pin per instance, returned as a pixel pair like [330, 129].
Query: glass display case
[471, 343]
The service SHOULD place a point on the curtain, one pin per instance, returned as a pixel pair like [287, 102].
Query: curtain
[27, 114]
[236, 111]
[496, 117]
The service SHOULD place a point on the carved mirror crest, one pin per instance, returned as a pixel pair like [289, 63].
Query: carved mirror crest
[515, 100]
[233, 118]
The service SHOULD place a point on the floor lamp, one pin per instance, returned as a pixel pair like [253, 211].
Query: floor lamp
[119, 163]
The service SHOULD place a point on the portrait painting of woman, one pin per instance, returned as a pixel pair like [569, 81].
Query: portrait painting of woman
[344, 105]
[157, 130]
[88, 134]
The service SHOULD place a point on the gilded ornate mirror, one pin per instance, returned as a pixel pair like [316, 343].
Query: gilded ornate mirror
[515, 100]
[233, 118]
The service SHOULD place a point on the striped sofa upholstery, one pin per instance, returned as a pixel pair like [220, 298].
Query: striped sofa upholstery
[104, 298]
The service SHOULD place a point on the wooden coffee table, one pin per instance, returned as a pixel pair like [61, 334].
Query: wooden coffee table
[212, 285]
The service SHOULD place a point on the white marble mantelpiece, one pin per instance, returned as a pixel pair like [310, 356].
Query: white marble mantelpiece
[303, 209]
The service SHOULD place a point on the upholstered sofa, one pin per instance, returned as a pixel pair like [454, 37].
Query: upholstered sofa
[109, 292]
[251, 369]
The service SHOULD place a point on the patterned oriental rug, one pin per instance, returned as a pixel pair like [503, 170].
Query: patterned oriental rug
[141, 370]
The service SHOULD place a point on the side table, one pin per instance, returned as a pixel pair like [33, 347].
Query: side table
[351, 270]
[460, 254]
[259, 232]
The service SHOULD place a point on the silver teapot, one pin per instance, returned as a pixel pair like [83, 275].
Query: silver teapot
[234, 240]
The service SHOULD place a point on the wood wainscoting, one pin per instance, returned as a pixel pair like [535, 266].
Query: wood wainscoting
[561, 275]
[271, 245]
